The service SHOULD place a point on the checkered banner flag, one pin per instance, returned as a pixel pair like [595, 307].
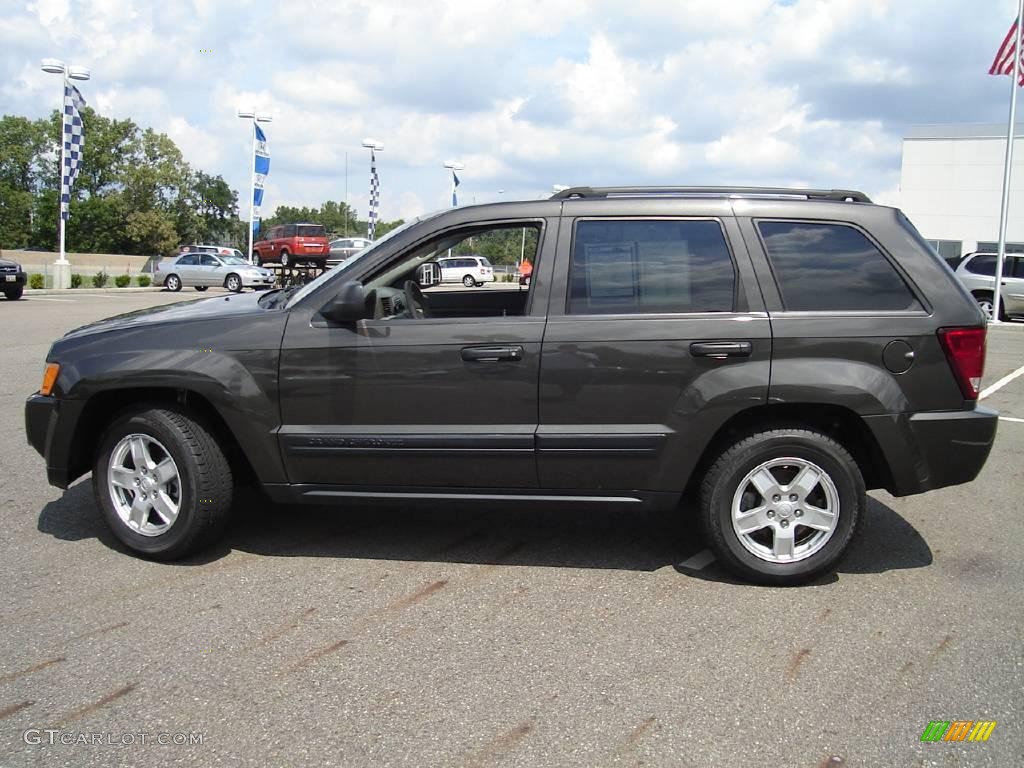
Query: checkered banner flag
[374, 196]
[74, 140]
[260, 171]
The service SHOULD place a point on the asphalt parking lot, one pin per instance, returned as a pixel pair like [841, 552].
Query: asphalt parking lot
[349, 638]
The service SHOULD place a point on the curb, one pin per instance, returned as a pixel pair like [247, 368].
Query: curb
[73, 291]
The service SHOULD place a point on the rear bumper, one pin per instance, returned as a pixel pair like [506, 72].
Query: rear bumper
[49, 426]
[932, 450]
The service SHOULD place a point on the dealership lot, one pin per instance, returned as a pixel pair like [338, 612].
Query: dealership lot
[355, 637]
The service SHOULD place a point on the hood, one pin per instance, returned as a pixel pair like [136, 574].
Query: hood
[184, 311]
[8, 263]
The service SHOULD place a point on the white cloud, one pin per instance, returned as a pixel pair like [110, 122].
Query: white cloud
[526, 93]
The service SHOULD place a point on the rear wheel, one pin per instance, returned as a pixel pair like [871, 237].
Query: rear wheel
[201, 288]
[780, 507]
[13, 294]
[233, 283]
[172, 283]
[162, 482]
[468, 281]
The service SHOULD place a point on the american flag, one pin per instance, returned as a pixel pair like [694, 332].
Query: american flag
[74, 140]
[374, 196]
[1005, 62]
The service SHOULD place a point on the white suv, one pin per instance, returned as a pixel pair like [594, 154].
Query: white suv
[978, 271]
[469, 270]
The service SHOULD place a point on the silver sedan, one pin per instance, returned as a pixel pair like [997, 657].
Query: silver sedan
[201, 270]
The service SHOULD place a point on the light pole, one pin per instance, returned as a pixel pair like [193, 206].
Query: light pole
[62, 267]
[453, 166]
[255, 117]
[374, 146]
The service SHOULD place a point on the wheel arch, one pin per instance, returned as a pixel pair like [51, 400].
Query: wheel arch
[106, 406]
[841, 424]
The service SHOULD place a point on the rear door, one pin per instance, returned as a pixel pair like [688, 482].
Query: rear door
[656, 336]
[1013, 285]
[187, 268]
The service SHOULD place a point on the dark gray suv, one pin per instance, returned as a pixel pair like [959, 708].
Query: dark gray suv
[765, 354]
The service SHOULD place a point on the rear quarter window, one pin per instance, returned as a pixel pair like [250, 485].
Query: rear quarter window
[832, 267]
[982, 265]
[312, 232]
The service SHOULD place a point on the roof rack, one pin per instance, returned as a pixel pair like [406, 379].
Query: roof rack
[840, 195]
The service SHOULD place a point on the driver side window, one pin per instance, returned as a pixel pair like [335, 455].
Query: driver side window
[480, 270]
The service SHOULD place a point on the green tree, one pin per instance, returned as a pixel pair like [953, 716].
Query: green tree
[21, 141]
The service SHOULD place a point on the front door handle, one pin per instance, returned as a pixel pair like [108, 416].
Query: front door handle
[492, 354]
[720, 350]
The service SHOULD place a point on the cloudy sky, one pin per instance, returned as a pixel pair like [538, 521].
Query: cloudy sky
[527, 93]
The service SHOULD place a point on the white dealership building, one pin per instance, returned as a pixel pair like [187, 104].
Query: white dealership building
[951, 182]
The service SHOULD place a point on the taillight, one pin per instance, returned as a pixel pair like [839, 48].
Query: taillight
[965, 351]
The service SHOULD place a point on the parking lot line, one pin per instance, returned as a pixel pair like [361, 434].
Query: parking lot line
[992, 388]
[44, 298]
[1011, 418]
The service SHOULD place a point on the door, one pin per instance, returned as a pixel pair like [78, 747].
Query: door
[656, 336]
[207, 271]
[1013, 285]
[446, 400]
[187, 268]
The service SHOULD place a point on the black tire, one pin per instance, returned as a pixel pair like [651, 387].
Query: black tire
[206, 486]
[13, 294]
[172, 283]
[469, 281]
[985, 300]
[233, 283]
[285, 261]
[201, 288]
[731, 467]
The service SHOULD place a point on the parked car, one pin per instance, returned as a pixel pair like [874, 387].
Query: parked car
[760, 356]
[12, 279]
[978, 271]
[344, 248]
[201, 270]
[293, 244]
[222, 250]
[468, 270]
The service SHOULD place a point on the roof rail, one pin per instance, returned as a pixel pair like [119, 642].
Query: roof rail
[841, 195]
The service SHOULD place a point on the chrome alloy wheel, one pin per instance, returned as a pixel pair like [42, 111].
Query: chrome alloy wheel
[144, 485]
[785, 510]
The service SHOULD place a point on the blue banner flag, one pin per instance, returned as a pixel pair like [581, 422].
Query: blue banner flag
[261, 167]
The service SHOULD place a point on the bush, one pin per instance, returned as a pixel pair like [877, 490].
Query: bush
[76, 280]
[99, 279]
[123, 281]
[144, 281]
[35, 280]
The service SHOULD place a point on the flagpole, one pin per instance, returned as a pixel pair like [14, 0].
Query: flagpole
[62, 258]
[252, 189]
[1004, 205]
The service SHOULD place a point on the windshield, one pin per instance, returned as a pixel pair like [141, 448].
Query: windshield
[345, 266]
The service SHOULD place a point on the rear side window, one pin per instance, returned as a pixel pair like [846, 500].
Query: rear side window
[288, 231]
[982, 265]
[188, 261]
[649, 266]
[312, 231]
[832, 267]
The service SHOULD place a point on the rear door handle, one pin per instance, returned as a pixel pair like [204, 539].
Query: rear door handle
[721, 349]
[492, 354]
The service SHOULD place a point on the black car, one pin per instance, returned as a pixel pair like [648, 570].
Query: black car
[763, 355]
[12, 279]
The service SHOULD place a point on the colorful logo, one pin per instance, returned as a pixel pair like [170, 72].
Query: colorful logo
[958, 730]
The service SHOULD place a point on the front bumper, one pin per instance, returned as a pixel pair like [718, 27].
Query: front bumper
[934, 449]
[49, 426]
[254, 281]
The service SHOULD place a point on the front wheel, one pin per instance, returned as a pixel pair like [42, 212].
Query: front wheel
[162, 482]
[172, 283]
[985, 304]
[233, 283]
[286, 259]
[13, 294]
[780, 507]
[201, 288]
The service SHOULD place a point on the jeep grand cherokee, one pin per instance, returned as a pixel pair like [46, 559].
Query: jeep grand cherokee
[768, 353]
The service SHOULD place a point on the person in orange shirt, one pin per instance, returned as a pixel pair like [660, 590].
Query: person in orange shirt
[525, 271]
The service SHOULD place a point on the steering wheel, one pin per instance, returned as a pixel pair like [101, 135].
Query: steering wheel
[415, 301]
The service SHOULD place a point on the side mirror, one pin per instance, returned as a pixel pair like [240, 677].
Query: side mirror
[428, 273]
[348, 305]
